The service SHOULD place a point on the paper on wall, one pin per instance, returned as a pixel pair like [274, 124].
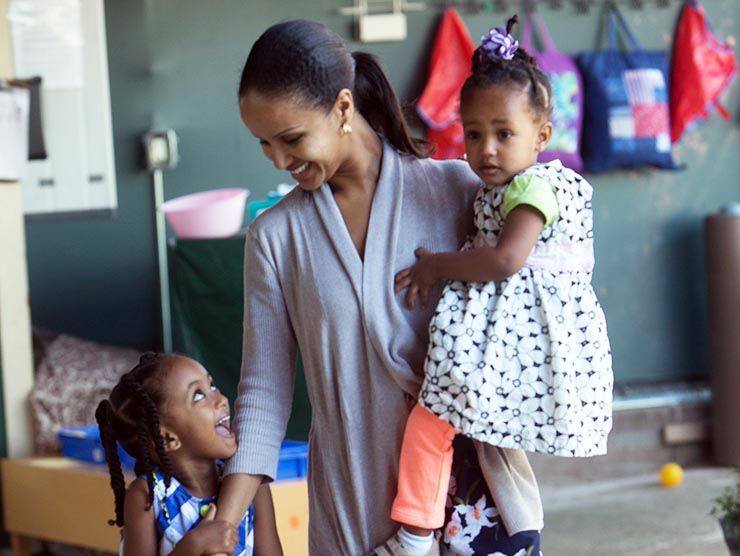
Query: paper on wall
[14, 106]
[46, 38]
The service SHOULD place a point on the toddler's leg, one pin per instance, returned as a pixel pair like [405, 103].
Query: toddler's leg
[424, 471]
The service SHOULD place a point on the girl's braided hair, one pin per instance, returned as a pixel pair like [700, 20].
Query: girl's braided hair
[520, 70]
[130, 416]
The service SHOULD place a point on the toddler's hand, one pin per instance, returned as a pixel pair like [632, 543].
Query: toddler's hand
[215, 536]
[419, 279]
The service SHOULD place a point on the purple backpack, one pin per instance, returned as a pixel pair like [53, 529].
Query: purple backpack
[567, 95]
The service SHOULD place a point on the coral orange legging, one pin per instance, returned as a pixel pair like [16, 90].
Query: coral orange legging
[424, 470]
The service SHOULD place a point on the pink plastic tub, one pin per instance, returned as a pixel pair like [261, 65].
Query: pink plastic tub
[216, 213]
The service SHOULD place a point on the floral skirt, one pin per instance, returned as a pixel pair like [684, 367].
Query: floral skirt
[473, 526]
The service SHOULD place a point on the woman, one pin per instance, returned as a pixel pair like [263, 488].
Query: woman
[319, 270]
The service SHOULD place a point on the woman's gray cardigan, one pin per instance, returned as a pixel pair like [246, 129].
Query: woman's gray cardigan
[307, 288]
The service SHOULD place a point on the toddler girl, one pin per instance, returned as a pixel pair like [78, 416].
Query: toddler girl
[518, 352]
[167, 414]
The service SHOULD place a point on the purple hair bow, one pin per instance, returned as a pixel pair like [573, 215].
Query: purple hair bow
[498, 44]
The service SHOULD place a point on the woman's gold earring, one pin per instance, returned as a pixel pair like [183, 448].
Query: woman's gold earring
[346, 128]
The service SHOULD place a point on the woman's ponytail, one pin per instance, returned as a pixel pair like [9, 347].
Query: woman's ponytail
[378, 104]
[308, 61]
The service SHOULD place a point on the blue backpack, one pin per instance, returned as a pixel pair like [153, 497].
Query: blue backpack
[626, 119]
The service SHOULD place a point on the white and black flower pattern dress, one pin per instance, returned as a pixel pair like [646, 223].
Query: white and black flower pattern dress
[525, 362]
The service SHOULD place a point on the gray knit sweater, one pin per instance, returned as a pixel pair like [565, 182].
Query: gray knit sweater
[307, 288]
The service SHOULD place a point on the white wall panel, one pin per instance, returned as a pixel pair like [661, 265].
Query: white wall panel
[79, 174]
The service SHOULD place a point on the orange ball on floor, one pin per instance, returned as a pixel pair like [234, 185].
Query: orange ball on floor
[671, 475]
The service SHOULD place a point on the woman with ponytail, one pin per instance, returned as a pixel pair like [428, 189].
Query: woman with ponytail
[319, 272]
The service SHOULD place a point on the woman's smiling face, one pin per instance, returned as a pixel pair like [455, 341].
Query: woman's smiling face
[296, 137]
[196, 413]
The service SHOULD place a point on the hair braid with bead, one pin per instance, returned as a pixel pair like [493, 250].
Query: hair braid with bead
[108, 439]
[130, 417]
[521, 70]
[165, 464]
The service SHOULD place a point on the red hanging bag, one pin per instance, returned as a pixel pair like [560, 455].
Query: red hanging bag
[449, 67]
[702, 68]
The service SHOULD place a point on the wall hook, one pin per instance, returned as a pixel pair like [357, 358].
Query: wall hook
[501, 5]
[582, 6]
[474, 6]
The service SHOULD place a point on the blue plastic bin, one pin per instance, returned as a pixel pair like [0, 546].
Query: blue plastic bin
[293, 462]
[83, 443]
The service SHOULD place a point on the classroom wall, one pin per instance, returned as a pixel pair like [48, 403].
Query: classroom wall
[176, 63]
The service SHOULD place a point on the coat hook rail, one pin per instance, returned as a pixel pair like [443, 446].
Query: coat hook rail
[581, 6]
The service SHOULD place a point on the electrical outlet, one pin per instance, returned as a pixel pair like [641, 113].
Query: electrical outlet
[160, 149]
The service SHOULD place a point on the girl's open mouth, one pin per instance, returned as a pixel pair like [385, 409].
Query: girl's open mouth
[223, 427]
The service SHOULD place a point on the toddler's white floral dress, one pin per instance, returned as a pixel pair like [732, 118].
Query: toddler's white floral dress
[525, 362]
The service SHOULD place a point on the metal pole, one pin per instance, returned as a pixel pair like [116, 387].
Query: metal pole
[164, 277]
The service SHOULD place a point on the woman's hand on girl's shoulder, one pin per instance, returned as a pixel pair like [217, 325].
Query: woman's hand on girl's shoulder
[266, 539]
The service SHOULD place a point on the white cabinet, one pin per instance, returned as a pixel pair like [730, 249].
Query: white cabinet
[79, 172]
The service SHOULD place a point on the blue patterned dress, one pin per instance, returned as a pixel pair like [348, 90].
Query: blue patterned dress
[176, 512]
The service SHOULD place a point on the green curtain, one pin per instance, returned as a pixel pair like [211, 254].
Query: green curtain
[206, 281]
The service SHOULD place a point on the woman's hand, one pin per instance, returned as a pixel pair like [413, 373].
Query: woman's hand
[237, 492]
[419, 279]
[210, 536]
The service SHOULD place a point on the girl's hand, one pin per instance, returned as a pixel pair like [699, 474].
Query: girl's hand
[419, 279]
[213, 536]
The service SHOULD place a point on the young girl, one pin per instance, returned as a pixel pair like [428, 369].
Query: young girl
[518, 356]
[167, 414]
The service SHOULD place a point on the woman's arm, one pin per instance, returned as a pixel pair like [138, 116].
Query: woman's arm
[236, 494]
[266, 539]
[265, 397]
[481, 264]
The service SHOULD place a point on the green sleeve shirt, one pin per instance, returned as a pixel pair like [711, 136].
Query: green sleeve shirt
[532, 190]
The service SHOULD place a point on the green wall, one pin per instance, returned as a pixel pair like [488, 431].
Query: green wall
[176, 63]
